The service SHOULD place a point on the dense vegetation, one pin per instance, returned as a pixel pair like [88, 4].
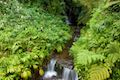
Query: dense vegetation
[30, 30]
[97, 52]
[27, 36]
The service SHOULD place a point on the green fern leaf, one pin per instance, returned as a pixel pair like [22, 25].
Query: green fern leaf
[85, 57]
[98, 72]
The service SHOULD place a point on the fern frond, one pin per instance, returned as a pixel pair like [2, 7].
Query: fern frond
[113, 53]
[98, 72]
[112, 58]
[85, 57]
[108, 4]
[114, 47]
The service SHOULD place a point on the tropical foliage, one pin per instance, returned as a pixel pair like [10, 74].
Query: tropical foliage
[56, 7]
[97, 51]
[30, 30]
[27, 36]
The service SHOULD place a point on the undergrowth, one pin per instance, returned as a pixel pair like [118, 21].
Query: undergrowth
[97, 52]
[27, 36]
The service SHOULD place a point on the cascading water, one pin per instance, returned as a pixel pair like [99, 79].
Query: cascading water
[51, 65]
[66, 74]
[74, 75]
[50, 72]
[69, 74]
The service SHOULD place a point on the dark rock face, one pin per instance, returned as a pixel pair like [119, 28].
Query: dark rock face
[72, 11]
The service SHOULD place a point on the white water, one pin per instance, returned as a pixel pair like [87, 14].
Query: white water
[51, 65]
[74, 75]
[50, 72]
[66, 74]
[69, 74]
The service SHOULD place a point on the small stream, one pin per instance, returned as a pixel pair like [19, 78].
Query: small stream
[61, 66]
[67, 73]
[50, 73]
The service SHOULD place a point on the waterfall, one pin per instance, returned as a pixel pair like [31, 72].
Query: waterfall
[69, 74]
[66, 73]
[50, 72]
[51, 65]
[74, 75]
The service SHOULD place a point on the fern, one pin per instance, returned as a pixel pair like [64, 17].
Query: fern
[98, 72]
[85, 57]
[113, 53]
[27, 36]
[97, 51]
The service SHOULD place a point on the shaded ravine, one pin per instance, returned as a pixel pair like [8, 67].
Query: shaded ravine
[64, 66]
[64, 62]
